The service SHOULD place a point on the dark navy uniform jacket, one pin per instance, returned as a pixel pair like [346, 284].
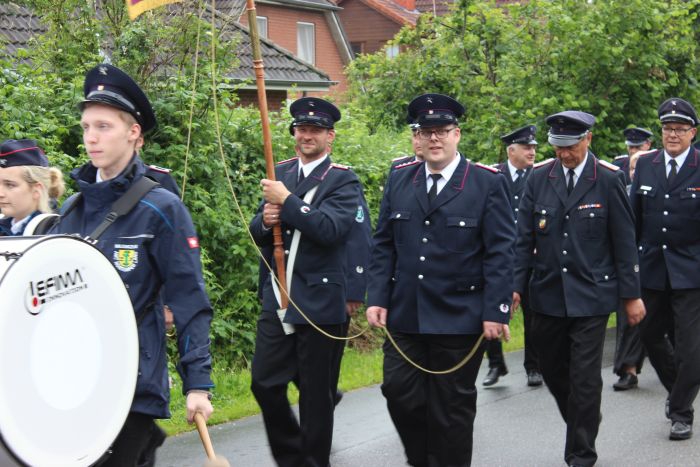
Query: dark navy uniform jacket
[668, 221]
[163, 254]
[318, 282]
[445, 268]
[623, 162]
[516, 192]
[164, 177]
[6, 225]
[581, 247]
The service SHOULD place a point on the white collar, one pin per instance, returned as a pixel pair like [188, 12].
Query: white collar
[577, 170]
[308, 168]
[514, 171]
[680, 159]
[448, 170]
[17, 226]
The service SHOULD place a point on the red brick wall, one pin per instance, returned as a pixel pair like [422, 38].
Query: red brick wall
[363, 24]
[275, 99]
[282, 30]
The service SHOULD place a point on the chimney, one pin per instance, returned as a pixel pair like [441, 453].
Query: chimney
[410, 5]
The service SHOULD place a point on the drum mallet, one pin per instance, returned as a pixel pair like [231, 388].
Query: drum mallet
[212, 459]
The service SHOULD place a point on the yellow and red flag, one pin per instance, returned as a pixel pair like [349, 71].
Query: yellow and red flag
[136, 7]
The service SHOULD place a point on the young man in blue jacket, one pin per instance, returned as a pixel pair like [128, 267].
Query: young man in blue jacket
[154, 248]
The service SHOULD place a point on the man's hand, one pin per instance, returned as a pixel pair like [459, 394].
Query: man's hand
[198, 401]
[494, 331]
[271, 215]
[635, 309]
[351, 308]
[516, 303]
[274, 192]
[376, 316]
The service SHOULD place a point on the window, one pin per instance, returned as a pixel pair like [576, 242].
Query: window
[306, 42]
[392, 50]
[357, 47]
[262, 26]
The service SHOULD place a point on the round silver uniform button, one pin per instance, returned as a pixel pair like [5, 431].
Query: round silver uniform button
[663, 229]
[360, 269]
[565, 270]
[640, 248]
[398, 215]
[427, 222]
[516, 209]
[516, 196]
[544, 211]
[645, 192]
[606, 277]
[422, 258]
[591, 215]
[564, 252]
[473, 287]
[425, 240]
[289, 232]
[325, 279]
[666, 196]
[664, 246]
[420, 276]
[286, 252]
[462, 223]
[566, 217]
[566, 234]
[665, 213]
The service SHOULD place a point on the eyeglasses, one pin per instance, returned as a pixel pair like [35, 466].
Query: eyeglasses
[440, 133]
[675, 131]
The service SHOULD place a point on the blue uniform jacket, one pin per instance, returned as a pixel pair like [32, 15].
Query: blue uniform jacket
[668, 221]
[623, 162]
[516, 193]
[581, 246]
[445, 268]
[154, 248]
[319, 277]
[6, 225]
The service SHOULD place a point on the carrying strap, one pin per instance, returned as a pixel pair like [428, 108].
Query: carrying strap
[41, 224]
[122, 206]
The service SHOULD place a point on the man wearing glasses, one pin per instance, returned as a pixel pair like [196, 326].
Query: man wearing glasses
[440, 275]
[576, 232]
[665, 196]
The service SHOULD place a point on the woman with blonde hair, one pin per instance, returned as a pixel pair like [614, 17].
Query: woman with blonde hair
[27, 183]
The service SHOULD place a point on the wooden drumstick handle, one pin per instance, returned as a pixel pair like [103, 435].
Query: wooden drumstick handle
[204, 435]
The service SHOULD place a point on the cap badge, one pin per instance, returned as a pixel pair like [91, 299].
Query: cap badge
[429, 100]
[673, 102]
[100, 87]
[312, 104]
[102, 70]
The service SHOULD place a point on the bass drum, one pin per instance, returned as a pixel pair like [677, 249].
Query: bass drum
[68, 352]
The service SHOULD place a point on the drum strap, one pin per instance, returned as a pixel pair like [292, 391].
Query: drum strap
[122, 206]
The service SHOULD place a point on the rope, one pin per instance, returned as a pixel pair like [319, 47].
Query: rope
[239, 210]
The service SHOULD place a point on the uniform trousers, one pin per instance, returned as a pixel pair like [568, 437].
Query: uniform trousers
[311, 359]
[132, 441]
[433, 414]
[629, 350]
[570, 352]
[677, 313]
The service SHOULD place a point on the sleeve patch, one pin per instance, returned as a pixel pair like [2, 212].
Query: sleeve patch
[193, 242]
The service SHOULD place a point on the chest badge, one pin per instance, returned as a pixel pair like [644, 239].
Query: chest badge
[542, 224]
[125, 259]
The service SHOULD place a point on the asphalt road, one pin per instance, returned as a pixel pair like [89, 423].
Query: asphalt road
[515, 426]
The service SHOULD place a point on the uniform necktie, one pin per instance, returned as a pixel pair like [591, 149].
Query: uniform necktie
[519, 177]
[301, 176]
[570, 184]
[674, 170]
[432, 193]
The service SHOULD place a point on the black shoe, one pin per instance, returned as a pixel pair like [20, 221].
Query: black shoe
[681, 430]
[626, 381]
[667, 409]
[338, 397]
[534, 378]
[493, 375]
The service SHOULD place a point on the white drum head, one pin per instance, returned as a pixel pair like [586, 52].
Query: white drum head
[68, 351]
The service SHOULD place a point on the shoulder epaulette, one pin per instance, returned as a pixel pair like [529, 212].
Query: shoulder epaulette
[622, 156]
[487, 167]
[608, 165]
[399, 158]
[407, 164]
[646, 153]
[340, 166]
[287, 160]
[159, 169]
[543, 163]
